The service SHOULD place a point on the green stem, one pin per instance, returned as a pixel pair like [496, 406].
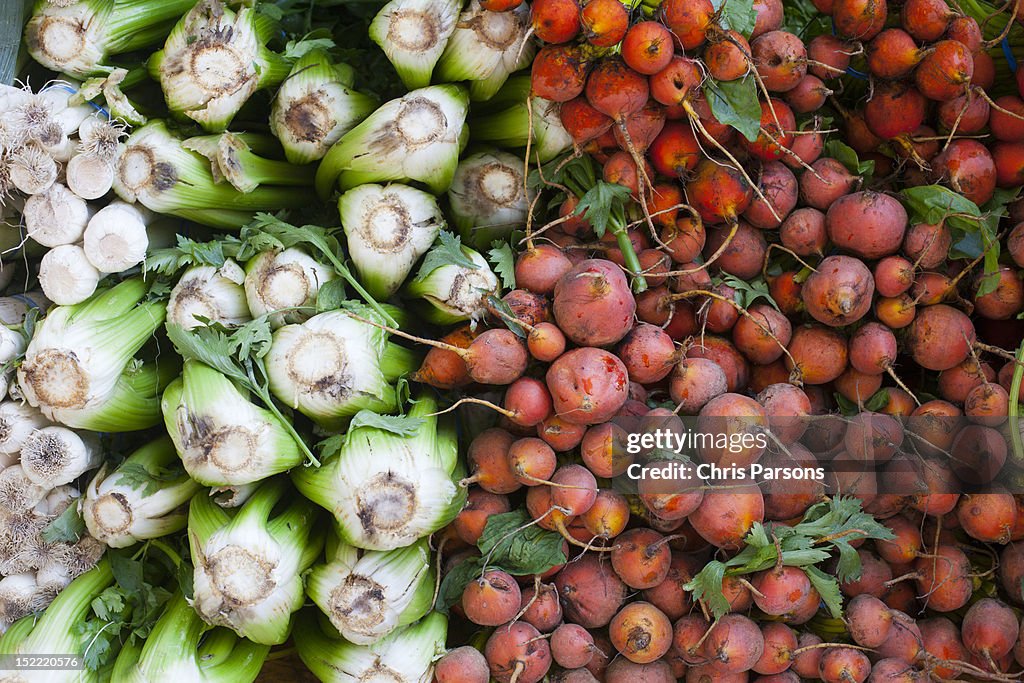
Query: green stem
[1014, 411]
[268, 401]
[618, 229]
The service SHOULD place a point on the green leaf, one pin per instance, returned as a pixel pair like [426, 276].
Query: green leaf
[146, 480]
[512, 543]
[749, 292]
[603, 203]
[737, 15]
[846, 155]
[455, 582]
[509, 317]
[330, 296]
[400, 425]
[296, 49]
[187, 252]
[504, 260]
[735, 103]
[878, 401]
[846, 406]
[706, 586]
[447, 251]
[828, 589]
[849, 567]
[68, 527]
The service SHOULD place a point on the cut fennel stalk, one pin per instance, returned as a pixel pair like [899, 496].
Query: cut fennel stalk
[332, 366]
[143, 497]
[77, 38]
[511, 117]
[388, 490]
[79, 368]
[413, 34]
[488, 197]
[405, 656]
[453, 290]
[223, 438]
[214, 294]
[184, 649]
[388, 228]
[315, 106]
[416, 137]
[368, 595]
[249, 561]
[214, 60]
[155, 170]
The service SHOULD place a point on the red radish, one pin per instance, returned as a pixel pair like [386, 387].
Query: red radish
[572, 646]
[541, 608]
[839, 292]
[489, 464]
[545, 342]
[555, 21]
[517, 652]
[593, 304]
[820, 353]
[480, 504]
[604, 22]
[492, 599]
[894, 110]
[728, 58]
[695, 382]
[641, 633]
[688, 20]
[559, 72]
[718, 192]
[781, 60]
[532, 461]
[647, 47]
[779, 190]
[926, 20]
[462, 665]
[804, 233]
[867, 224]
[735, 642]
[587, 385]
[590, 591]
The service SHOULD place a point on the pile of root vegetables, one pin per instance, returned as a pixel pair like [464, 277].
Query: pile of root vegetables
[776, 218]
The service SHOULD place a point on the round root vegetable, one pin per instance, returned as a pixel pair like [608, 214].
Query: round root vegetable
[572, 646]
[818, 353]
[778, 589]
[895, 111]
[670, 596]
[839, 292]
[492, 599]
[489, 462]
[623, 670]
[603, 450]
[540, 607]
[958, 381]
[559, 72]
[859, 19]
[1011, 571]
[648, 353]
[688, 21]
[987, 404]
[592, 303]
[945, 72]
[516, 652]
[893, 54]
[762, 335]
[724, 517]
[728, 58]
[829, 182]
[641, 558]
[526, 402]
[604, 23]
[869, 620]
[462, 665]
[719, 192]
[830, 54]
[590, 591]
[844, 665]
[532, 461]
[967, 166]
[893, 275]
[696, 381]
[781, 60]
[780, 641]
[804, 233]
[777, 199]
[641, 633]
[669, 499]
[587, 385]
[647, 47]
[987, 517]
[480, 504]
[940, 638]
[940, 337]
[989, 629]
[539, 268]
[574, 489]
[545, 342]
[736, 642]
[1006, 300]
[740, 249]
[904, 641]
[807, 657]
[868, 224]
[943, 578]
[739, 420]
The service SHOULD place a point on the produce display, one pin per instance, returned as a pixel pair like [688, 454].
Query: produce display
[622, 341]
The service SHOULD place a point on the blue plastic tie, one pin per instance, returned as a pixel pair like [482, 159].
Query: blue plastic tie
[92, 104]
[1008, 53]
[850, 71]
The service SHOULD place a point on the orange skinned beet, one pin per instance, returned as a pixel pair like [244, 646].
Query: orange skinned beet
[582, 121]
[688, 20]
[555, 21]
[940, 337]
[839, 292]
[777, 125]
[604, 22]
[647, 47]
[588, 385]
[895, 109]
[559, 72]
[820, 353]
[859, 19]
[674, 152]
[593, 304]
[718, 192]
[728, 58]
[893, 53]
[678, 82]
[781, 60]
[945, 72]
[615, 89]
